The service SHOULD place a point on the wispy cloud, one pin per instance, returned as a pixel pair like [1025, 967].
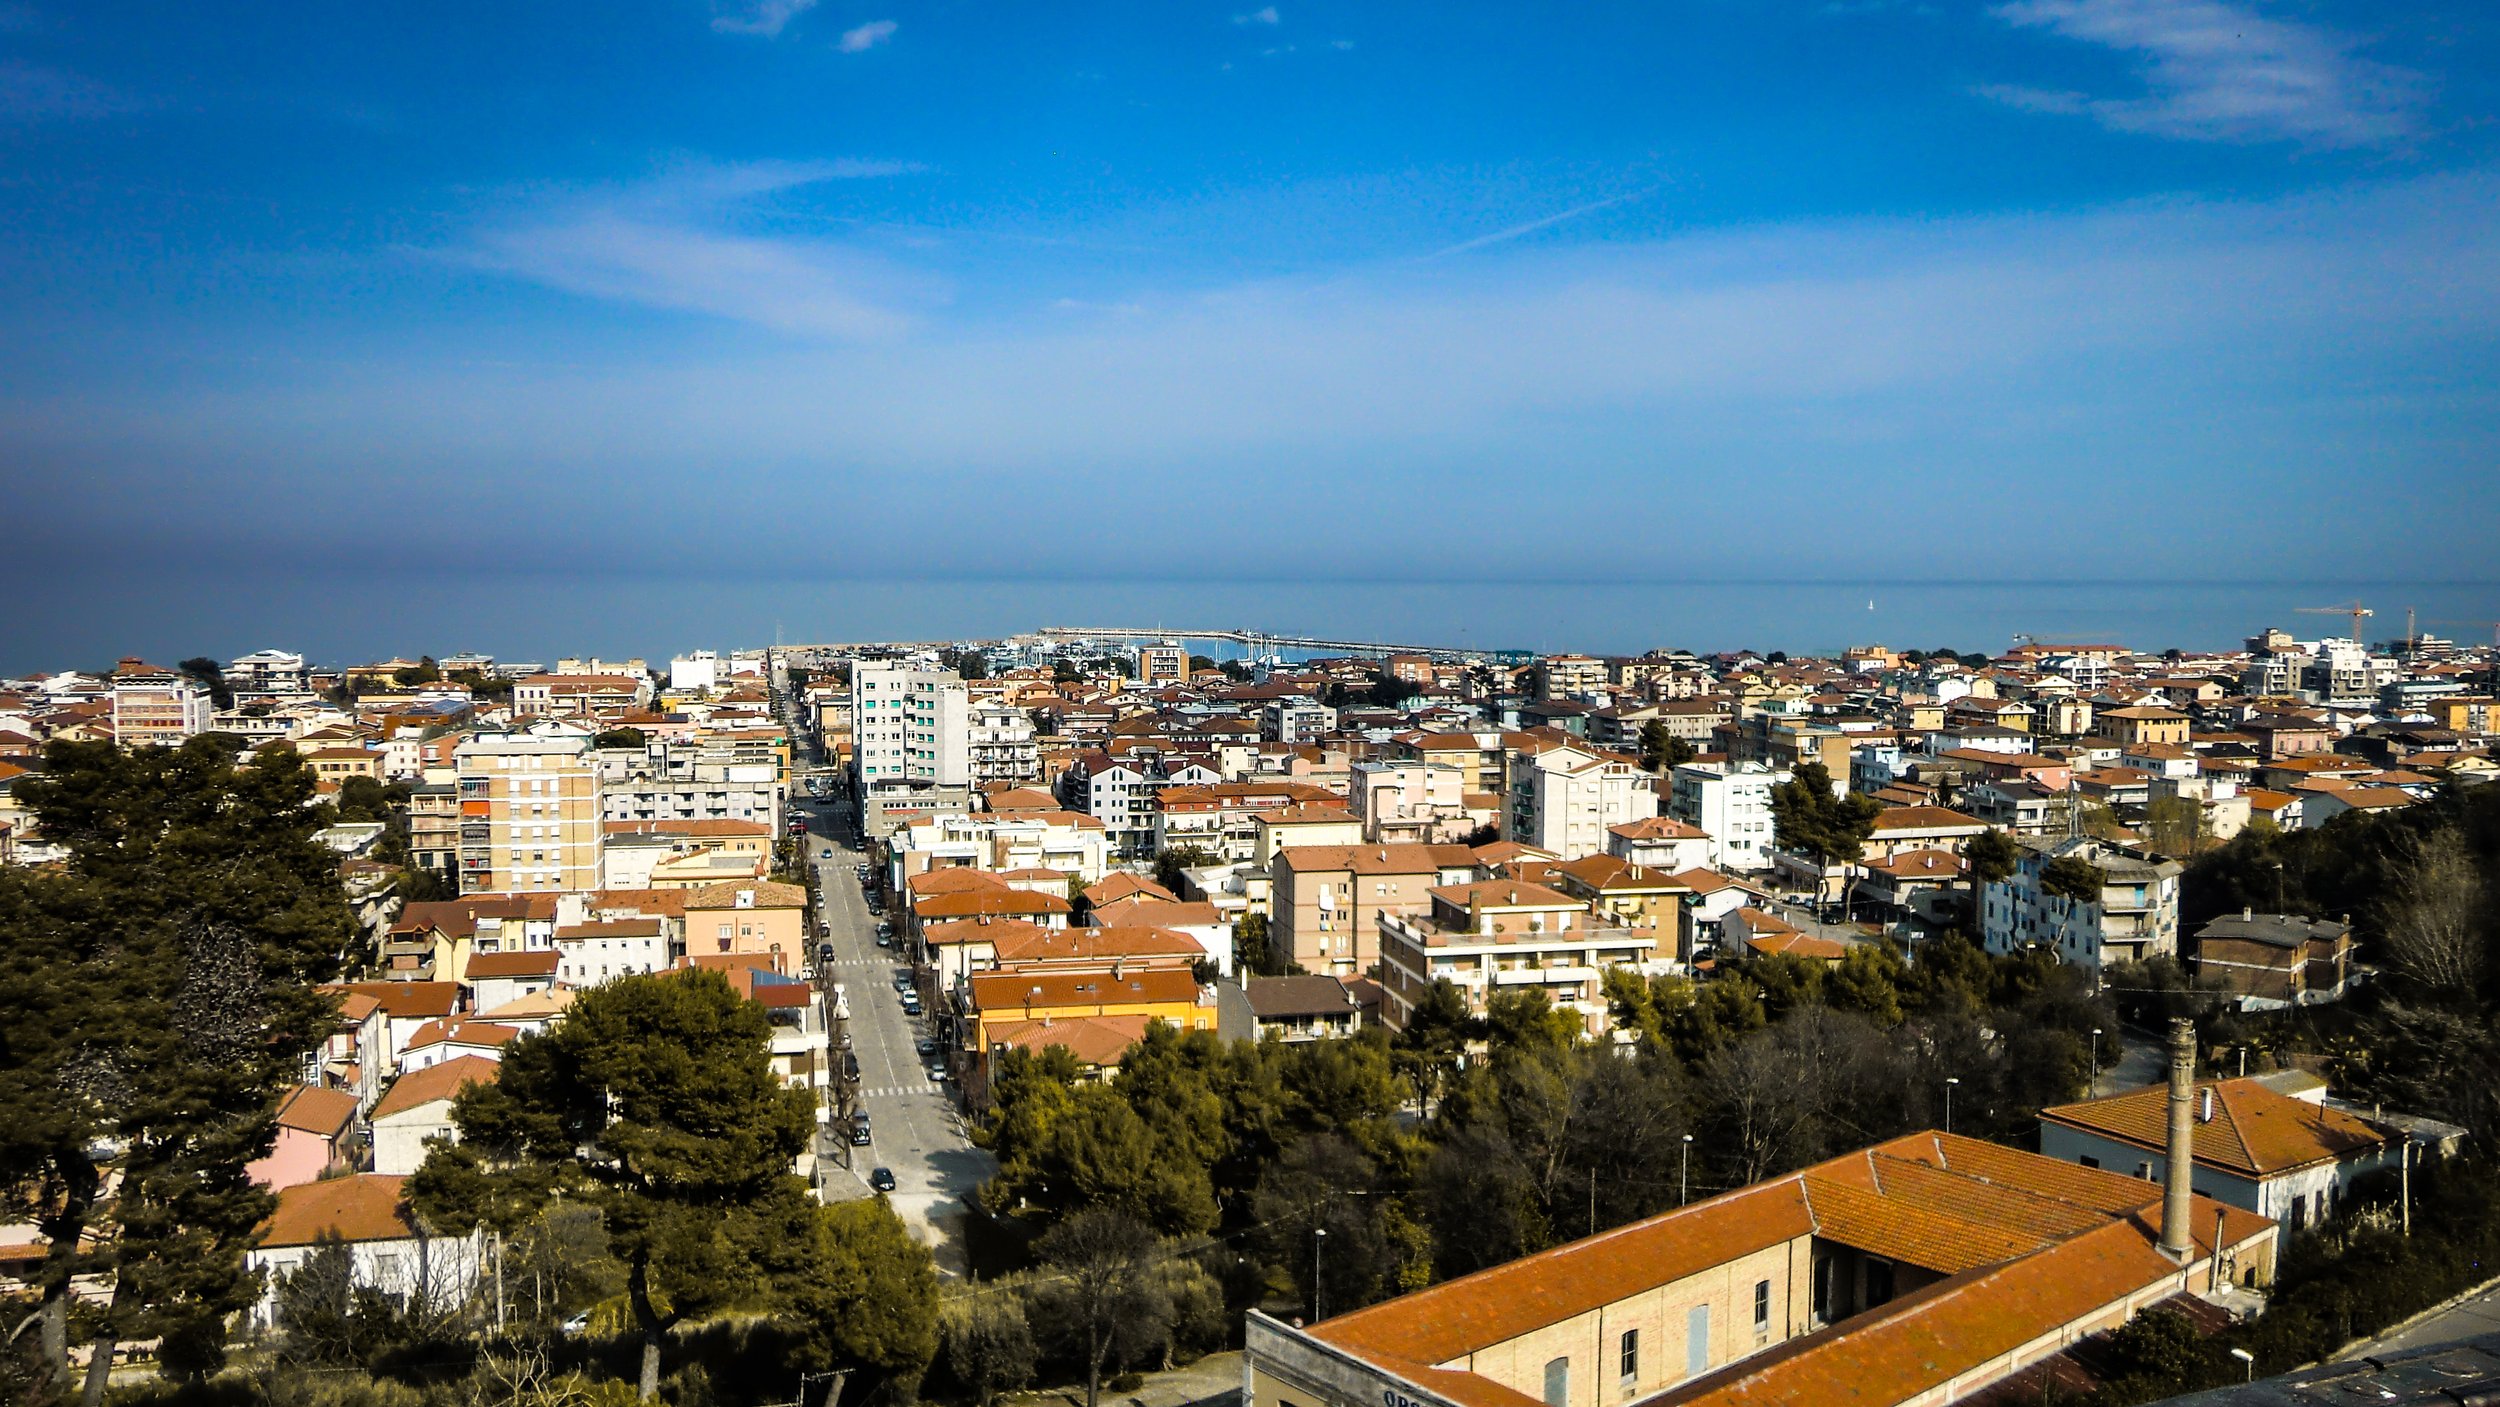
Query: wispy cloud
[764, 18]
[32, 93]
[867, 36]
[2216, 71]
[675, 242]
[1267, 15]
[1504, 236]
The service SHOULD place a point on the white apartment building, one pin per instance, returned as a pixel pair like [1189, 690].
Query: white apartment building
[1563, 799]
[267, 672]
[909, 726]
[1409, 800]
[1296, 720]
[699, 672]
[1000, 746]
[1731, 803]
[998, 843]
[910, 741]
[155, 707]
[2133, 914]
[529, 811]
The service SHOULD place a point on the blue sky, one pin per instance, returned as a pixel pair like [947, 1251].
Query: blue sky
[1680, 288]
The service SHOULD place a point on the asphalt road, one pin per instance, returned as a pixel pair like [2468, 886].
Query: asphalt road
[2477, 1315]
[914, 1126]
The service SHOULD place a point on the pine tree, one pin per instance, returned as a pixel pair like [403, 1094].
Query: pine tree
[174, 961]
[655, 1101]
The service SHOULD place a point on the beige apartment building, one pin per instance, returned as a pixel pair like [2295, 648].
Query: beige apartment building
[1326, 900]
[755, 918]
[1506, 935]
[155, 707]
[529, 811]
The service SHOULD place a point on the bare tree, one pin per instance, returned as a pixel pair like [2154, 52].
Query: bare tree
[2434, 917]
[1105, 1298]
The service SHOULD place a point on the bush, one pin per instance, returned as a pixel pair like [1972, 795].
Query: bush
[1126, 1382]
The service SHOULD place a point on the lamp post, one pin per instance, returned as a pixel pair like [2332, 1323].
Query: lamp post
[1684, 1175]
[1949, 1082]
[2095, 1081]
[2250, 1360]
[1319, 1242]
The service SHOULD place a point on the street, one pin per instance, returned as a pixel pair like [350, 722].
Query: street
[914, 1127]
[2477, 1314]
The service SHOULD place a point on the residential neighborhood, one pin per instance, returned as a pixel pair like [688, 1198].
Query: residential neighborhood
[936, 873]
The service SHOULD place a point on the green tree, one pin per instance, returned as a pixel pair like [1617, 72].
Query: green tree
[1993, 856]
[161, 987]
[619, 738]
[1433, 1043]
[989, 1344]
[1172, 861]
[654, 1101]
[1867, 980]
[2072, 877]
[212, 675]
[1661, 750]
[424, 671]
[1806, 817]
[863, 1295]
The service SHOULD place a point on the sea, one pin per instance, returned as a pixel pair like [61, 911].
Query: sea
[348, 616]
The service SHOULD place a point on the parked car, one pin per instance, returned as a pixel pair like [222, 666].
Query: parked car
[882, 1179]
[937, 1074]
[928, 1047]
[885, 940]
[859, 1132]
[824, 952]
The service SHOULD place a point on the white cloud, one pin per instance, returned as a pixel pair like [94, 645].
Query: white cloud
[765, 18]
[2217, 71]
[867, 36]
[1267, 15]
[674, 243]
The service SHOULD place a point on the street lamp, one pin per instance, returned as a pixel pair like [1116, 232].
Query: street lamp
[1949, 1083]
[2248, 1358]
[1319, 1242]
[1684, 1176]
[2095, 1081]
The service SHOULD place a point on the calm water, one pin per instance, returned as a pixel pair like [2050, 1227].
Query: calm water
[61, 622]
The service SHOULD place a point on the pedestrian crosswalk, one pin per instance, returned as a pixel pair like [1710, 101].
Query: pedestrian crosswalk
[883, 1090]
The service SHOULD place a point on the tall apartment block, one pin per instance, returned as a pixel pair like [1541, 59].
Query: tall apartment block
[529, 811]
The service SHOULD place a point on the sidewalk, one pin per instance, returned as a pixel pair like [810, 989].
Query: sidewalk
[1212, 1381]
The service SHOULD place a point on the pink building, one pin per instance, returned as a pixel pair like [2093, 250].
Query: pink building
[313, 1125]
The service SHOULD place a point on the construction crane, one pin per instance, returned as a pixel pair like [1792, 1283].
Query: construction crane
[2354, 609]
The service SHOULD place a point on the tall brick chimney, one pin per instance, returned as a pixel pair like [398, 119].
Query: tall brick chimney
[2177, 1237]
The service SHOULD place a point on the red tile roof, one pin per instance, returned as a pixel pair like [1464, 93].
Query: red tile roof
[366, 1207]
[439, 1081]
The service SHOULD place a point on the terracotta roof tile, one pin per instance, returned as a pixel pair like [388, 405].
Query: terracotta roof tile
[438, 1081]
[366, 1207]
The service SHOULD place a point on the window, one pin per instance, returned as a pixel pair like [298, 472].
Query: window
[1762, 1304]
[1697, 1341]
[1558, 1383]
[2087, 1160]
[1631, 1354]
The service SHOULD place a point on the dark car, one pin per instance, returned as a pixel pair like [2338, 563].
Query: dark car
[928, 1047]
[882, 1179]
[885, 940]
[824, 952]
[859, 1132]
